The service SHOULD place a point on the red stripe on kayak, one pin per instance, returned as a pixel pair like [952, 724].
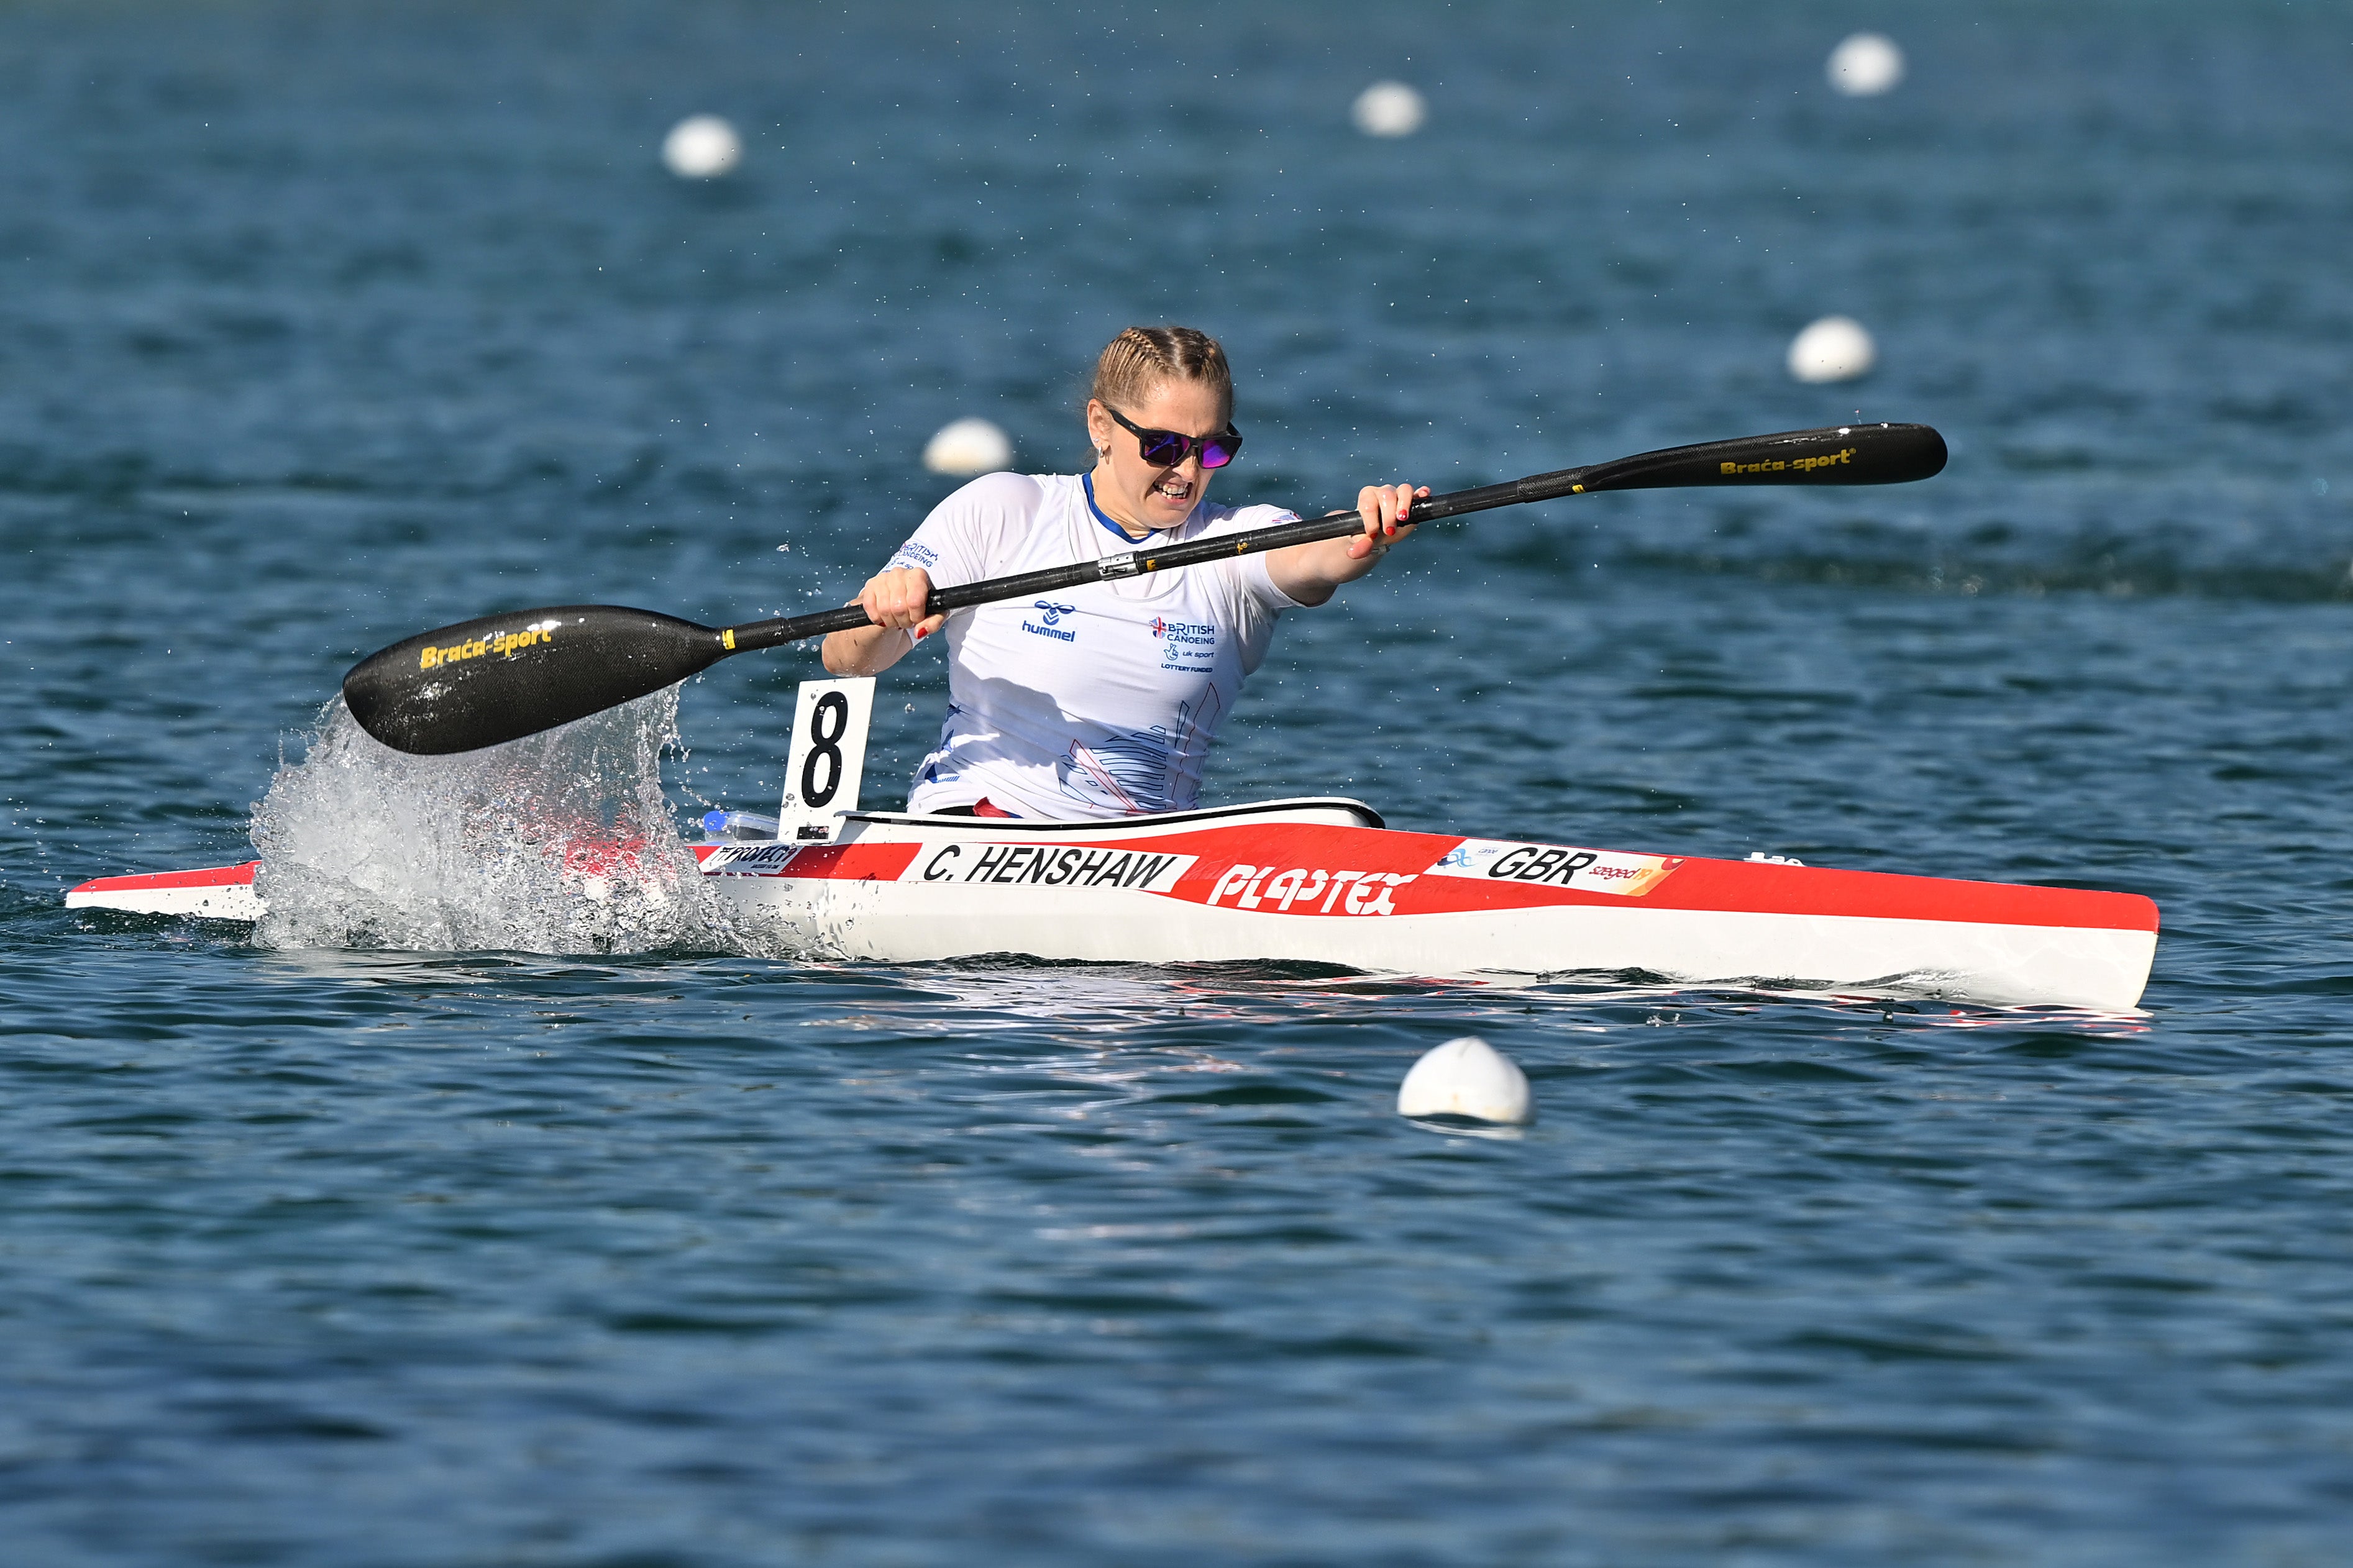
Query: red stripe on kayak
[1729, 886]
[1743, 888]
[208, 877]
[851, 862]
[826, 862]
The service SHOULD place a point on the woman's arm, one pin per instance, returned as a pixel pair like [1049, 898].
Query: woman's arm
[895, 601]
[1309, 572]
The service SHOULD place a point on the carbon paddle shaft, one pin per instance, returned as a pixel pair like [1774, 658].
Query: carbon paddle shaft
[500, 678]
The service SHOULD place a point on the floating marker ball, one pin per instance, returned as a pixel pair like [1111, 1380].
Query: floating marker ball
[1468, 1077]
[701, 147]
[1389, 109]
[1835, 348]
[1865, 65]
[968, 446]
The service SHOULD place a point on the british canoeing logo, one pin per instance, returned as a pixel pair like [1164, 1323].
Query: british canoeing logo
[1184, 631]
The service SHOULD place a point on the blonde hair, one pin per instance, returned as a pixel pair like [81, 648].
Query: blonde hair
[1137, 362]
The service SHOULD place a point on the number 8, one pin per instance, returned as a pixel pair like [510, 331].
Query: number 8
[833, 705]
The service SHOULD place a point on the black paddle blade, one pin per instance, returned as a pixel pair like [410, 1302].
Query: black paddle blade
[1834, 455]
[504, 677]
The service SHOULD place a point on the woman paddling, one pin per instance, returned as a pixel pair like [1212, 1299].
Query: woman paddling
[1102, 701]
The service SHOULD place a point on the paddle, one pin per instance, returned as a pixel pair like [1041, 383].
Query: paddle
[504, 677]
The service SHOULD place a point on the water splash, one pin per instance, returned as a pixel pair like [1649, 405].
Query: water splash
[560, 843]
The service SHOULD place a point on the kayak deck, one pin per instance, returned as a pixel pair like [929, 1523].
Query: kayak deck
[1321, 880]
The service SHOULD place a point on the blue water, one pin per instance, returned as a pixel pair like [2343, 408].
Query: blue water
[321, 324]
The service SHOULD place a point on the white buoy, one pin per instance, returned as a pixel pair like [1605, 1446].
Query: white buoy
[1835, 348]
[1865, 65]
[1389, 109]
[701, 147]
[968, 446]
[1468, 1077]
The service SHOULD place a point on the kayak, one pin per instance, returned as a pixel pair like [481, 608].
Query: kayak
[1326, 882]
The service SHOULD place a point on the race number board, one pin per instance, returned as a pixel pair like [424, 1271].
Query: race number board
[827, 758]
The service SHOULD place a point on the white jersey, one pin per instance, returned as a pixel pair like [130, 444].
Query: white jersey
[1094, 701]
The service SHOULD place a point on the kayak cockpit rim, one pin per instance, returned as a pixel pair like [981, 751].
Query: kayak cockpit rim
[1309, 807]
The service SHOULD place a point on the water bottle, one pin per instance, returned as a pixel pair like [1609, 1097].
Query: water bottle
[737, 827]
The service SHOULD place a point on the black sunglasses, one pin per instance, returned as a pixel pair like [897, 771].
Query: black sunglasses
[1166, 449]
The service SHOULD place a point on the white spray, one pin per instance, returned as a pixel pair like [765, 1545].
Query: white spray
[558, 842]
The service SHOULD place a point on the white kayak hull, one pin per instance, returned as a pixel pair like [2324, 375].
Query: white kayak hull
[1320, 881]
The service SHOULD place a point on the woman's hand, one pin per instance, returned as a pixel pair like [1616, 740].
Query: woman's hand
[1309, 572]
[894, 602]
[1384, 508]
